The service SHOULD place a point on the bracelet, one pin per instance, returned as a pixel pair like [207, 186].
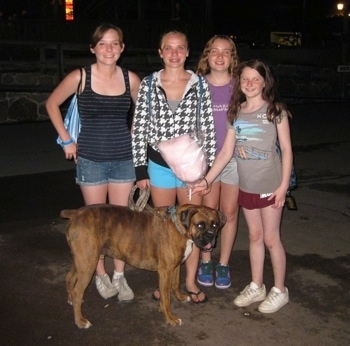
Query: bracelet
[206, 181]
[70, 141]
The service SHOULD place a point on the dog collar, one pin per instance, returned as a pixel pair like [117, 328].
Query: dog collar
[172, 211]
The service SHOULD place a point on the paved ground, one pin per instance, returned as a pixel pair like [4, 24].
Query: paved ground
[36, 183]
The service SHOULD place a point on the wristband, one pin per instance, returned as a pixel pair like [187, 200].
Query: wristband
[70, 141]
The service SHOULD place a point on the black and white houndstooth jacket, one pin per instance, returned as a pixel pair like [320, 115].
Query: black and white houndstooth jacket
[163, 124]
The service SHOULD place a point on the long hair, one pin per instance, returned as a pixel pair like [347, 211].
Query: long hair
[101, 30]
[276, 109]
[203, 67]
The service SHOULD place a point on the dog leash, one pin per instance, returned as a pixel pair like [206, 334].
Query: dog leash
[141, 201]
[172, 211]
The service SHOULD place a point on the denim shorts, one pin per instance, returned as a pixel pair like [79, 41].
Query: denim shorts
[99, 173]
[229, 174]
[163, 177]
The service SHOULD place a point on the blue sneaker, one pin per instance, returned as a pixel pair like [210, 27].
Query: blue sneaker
[205, 274]
[223, 278]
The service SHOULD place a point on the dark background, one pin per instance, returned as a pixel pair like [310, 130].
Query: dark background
[318, 20]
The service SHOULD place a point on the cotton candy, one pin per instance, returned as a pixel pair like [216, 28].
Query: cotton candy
[185, 156]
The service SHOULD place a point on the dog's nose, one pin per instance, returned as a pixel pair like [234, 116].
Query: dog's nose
[208, 237]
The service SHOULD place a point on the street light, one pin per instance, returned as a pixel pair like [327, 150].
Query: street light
[343, 7]
[340, 6]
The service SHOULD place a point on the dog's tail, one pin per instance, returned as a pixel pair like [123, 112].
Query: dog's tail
[67, 213]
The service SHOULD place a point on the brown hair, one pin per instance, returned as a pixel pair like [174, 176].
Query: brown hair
[101, 30]
[203, 64]
[276, 108]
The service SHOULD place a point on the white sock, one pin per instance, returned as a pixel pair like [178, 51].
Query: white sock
[117, 274]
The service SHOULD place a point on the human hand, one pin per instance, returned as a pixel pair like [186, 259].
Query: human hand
[280, 198]
[70, 151]
[202, 187]
[143, 184]
[241, 152]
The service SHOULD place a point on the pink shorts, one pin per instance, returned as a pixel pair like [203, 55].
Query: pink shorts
[253, 200]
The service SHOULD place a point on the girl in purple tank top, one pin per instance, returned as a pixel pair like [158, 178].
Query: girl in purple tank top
[217, 64]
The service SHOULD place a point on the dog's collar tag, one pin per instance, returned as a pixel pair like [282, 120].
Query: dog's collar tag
[172, 211]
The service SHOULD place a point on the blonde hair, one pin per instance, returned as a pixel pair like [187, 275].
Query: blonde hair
[203, 64]
[172, 32]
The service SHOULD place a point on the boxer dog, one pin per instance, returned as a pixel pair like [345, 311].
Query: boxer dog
[156, 239]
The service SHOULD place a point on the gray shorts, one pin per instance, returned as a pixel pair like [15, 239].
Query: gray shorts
[229, 174]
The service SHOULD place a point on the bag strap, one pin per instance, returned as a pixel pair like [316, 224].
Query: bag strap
[150, 80]
[78, 92]
[199, 104]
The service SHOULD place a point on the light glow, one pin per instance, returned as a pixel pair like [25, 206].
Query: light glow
[69, 9]
[340, 6]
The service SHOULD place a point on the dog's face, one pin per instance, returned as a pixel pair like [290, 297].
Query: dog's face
[202, 224]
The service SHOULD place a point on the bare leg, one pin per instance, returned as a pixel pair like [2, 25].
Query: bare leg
[271, 220]
[211, 200]
[118, 194]
[256, 244]
[230, 208]
[264, 229]
[95, 195]
[192, 260]
[162, 197]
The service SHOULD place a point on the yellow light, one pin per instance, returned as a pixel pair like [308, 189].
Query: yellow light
[69, 9]
[340, 6]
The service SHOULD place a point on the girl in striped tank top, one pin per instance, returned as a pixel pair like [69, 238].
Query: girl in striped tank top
[103, 152]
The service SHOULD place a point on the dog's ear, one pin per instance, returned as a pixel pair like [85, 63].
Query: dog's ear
[186, 216]
[222, 218]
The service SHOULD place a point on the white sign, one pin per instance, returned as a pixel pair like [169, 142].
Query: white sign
[343, 68]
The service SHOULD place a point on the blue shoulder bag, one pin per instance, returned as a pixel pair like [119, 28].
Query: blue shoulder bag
[72, 119]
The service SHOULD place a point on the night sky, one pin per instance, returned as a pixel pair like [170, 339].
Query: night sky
[238, 17]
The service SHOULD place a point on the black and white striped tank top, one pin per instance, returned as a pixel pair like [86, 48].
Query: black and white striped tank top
[104, 134]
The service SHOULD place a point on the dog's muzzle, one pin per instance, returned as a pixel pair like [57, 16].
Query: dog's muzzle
[207, 241]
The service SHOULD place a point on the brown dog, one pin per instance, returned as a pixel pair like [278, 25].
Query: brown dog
[152, 239]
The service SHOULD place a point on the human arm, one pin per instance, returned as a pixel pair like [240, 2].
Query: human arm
[207, 123]
[134, 85]
[62, 92]
[140, 132]
[220, 162]
[283, 133]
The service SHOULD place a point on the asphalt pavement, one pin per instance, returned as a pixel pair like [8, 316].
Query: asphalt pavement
[36, 182]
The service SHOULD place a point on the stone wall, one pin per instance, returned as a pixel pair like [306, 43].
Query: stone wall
[25, 97]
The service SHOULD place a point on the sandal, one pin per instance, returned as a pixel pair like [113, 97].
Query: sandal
[191, 294]
[154, 297]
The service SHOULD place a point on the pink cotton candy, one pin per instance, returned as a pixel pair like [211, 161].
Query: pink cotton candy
[185, 156]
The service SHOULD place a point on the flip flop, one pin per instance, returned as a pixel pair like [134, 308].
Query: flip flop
[154, 297]
[197, 294]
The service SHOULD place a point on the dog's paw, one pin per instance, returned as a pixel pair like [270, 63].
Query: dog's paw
[174, 321]
[88, 324]
[71, 303]
[83, 323]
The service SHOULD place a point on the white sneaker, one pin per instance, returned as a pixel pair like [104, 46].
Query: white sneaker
[105, 287]
[251, 293]
[274, 301]
[125, 292]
